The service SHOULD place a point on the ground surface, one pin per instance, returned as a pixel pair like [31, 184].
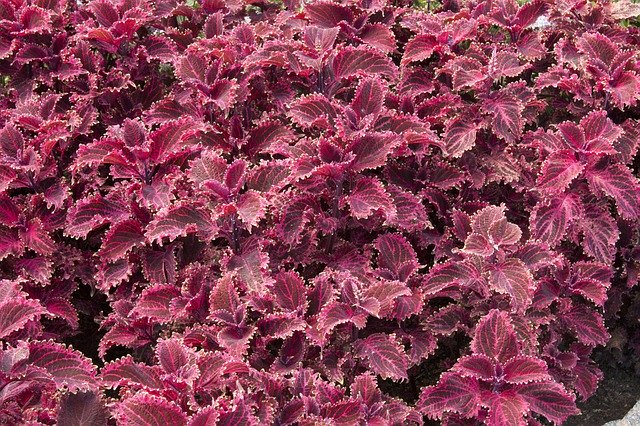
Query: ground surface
[616, 395]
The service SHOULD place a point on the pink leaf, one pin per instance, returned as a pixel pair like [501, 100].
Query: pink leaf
[37, 238]
[143, 409]
[558, 170]
[600, 234]
[90, 213]
[448, 275]
[385, 355]
[264, 135]
[368, 196]
[452, 393]
[351, 61]
[448, 319]
[126, 372]
[207, 416]
[82, 408]
[588, 325]
[172, 355]
[513, 278]
[371, 151]
[320, 39]
[549, 399]
[10, 243]
[379, 36]
[550, 220]
[477, 366]
[344, 413]
[396, 258]
[507, 116]
[9, 212]
[66, 366]
[618, 182]
[159, 266]
[495, 337]
[460, 136]
[179, 221]
[121, 238]
[507, 408]
[289, 291]
[155, 302]
[313, 111]
[410, 213]
[624, 89]
[249, 267]
[522, 369]
[169, 137]
[328, 14]
[16, 312]
[419, 48]
[251, 208]
[478, 245]
[369, 97]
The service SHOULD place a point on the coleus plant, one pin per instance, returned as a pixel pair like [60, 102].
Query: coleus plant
[279, 212]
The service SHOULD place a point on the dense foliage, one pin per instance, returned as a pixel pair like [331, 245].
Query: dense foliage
[356, 212]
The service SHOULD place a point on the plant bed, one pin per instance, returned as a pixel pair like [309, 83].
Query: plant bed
[617, 393]
[326, 212]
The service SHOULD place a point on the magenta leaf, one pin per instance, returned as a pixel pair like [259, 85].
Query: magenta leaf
[172, 355]
[90, 213]
[155, 302]
[143, 409]
[558, 170]
[125, 371]
[249, 266]
[495, 337]
[419, 48]
[369, 196]
[549, 399]
[170, 136]
[522, 369]
[66, 367]
[180, 221]
[618, 182]
[289, 291]
[313, 111]
[16, 312]
[460, 136]
[385, 355]
[507, 116]
[410, 213]
[120, 239]
[369, 97]
[588, 325]
[600, 234]
[205, 417]
[82, 408]
[513, 278]
[396, 260]
[328, 14]
[550, 220]
[452, 393]
[344, 413]
[507, 408]
[159, 266]
[371, 151]
[352, 61]
[450, 275]
[264, 136]
[251, 208]
[477, 366]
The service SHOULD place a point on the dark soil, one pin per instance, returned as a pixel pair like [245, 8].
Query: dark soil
[617, 393]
